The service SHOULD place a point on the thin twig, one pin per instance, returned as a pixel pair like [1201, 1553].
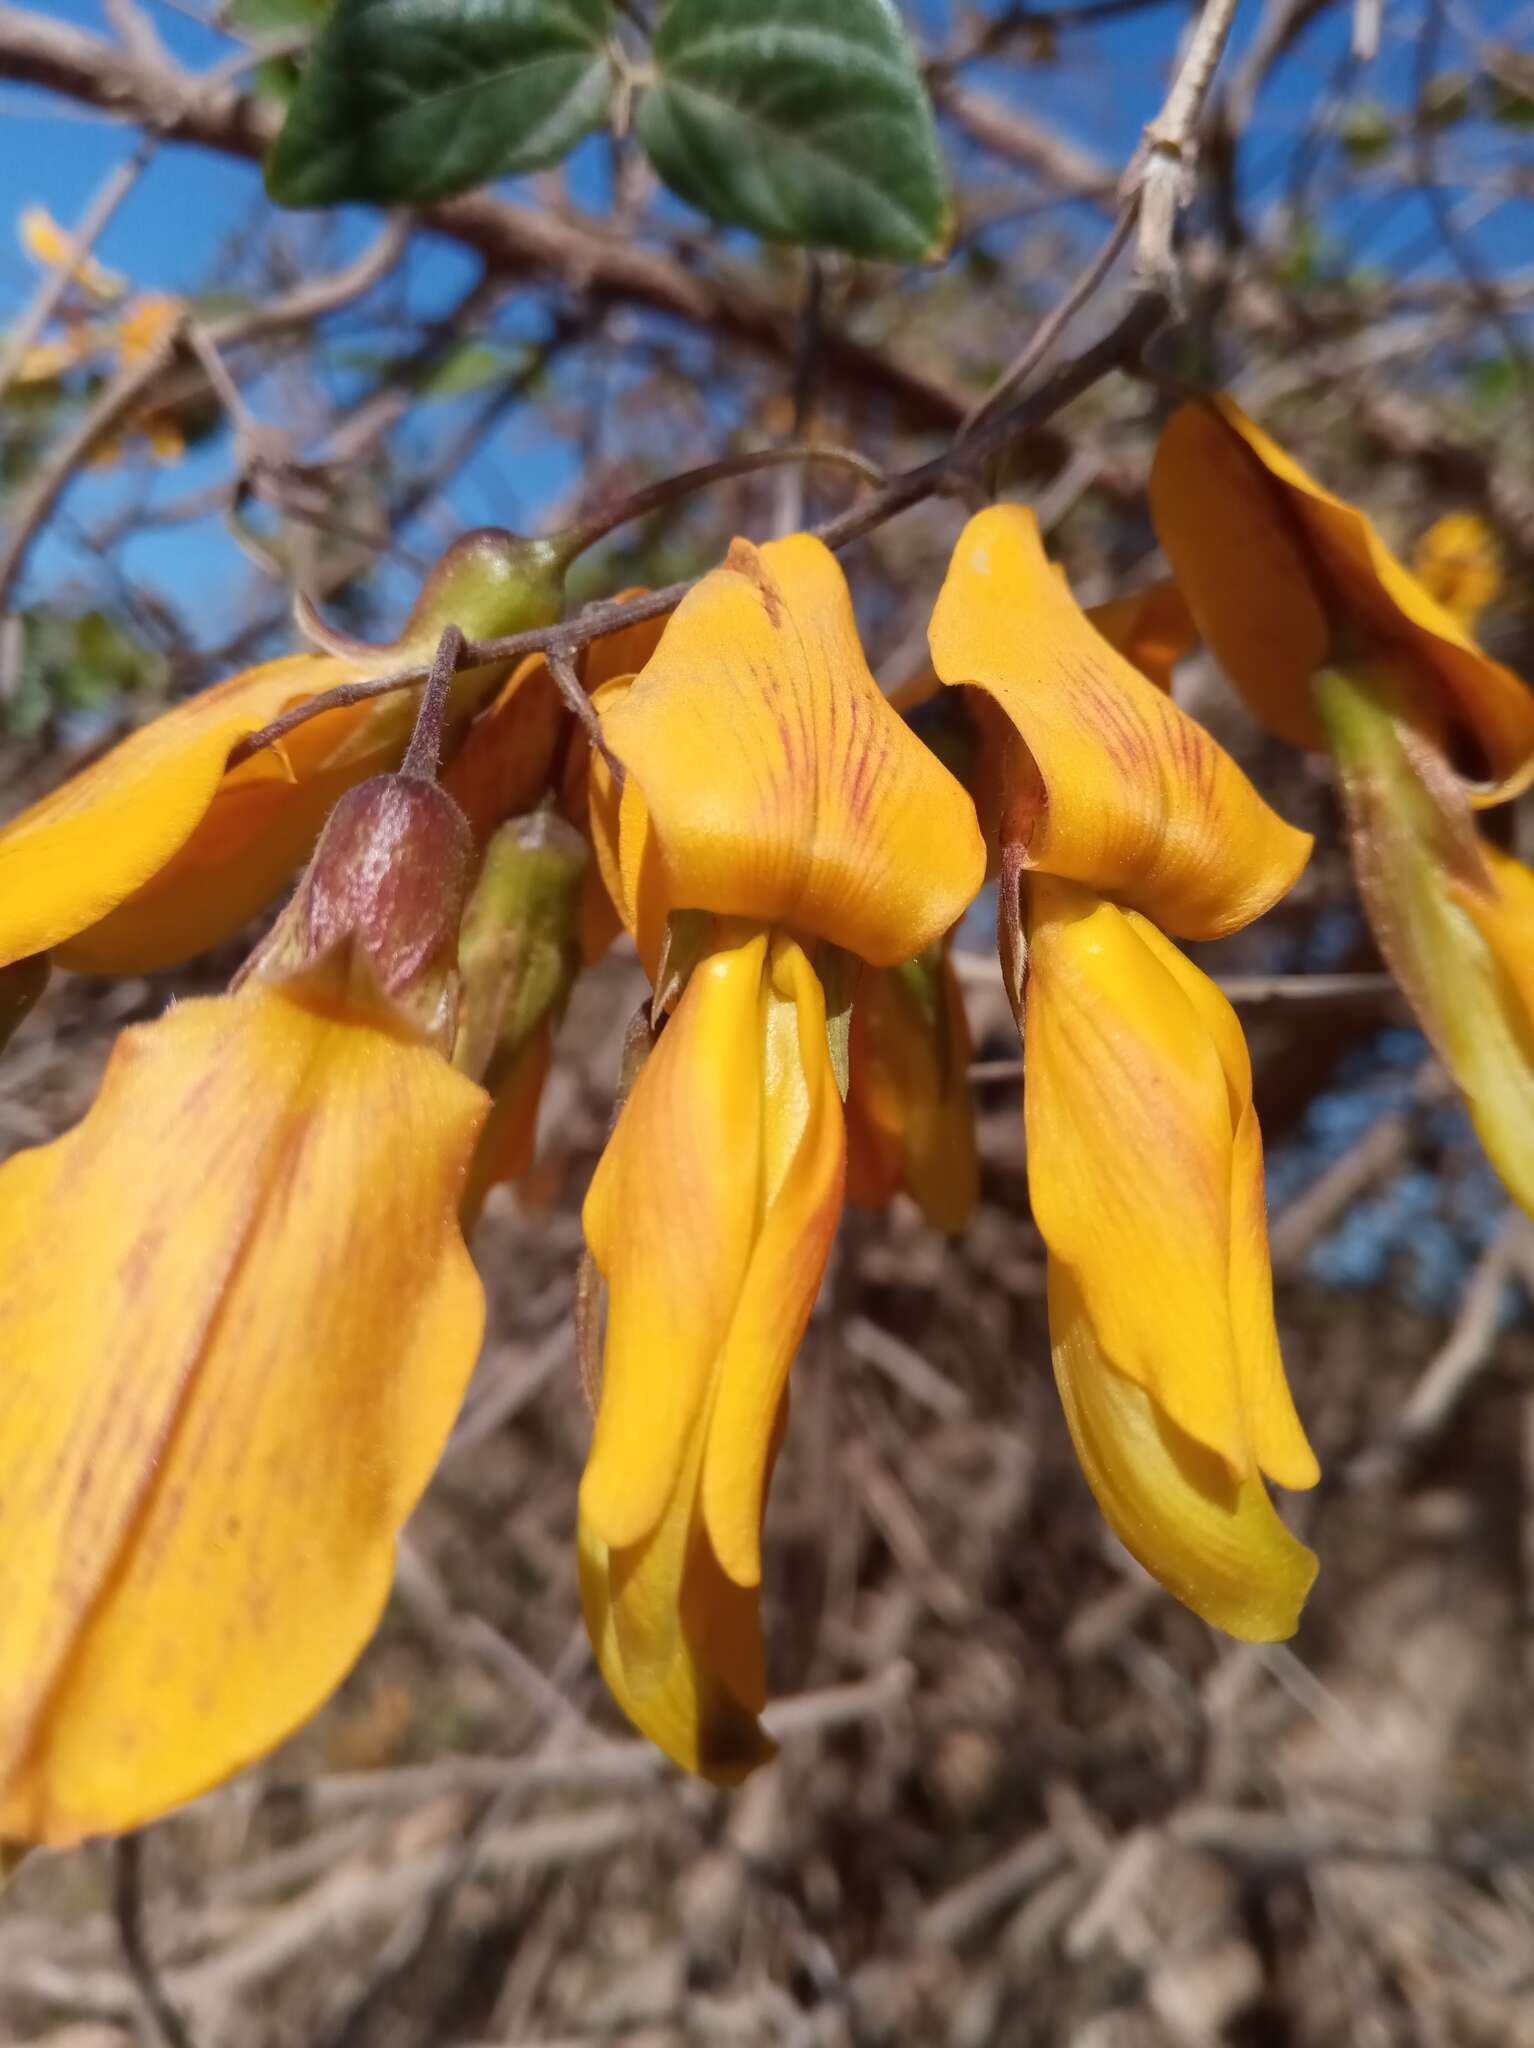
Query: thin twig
[424, 753]
[572, 693]
[969, 452]
[1049, 329]
[165, 2025]
[129, 392]
[1161, 175]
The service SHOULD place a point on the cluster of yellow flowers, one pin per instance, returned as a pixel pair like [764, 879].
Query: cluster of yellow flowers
[101, 323]
[237, 1309]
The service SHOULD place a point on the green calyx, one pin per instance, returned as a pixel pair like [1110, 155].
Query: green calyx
[1419, 861]
[519, 946]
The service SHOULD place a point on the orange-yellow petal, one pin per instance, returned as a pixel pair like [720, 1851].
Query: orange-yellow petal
[1283, 577]
[1274, 1432]
[803, 1154]
[155, 851]
[678, 1642]
[1113, 786]
[222, 1396]
[910, 1113]
[1212, 1540]
[710, 1218]
[1144, 1175]
[506, 1144]
[1152, 628]
[779, 783]
[1459, 563]
[507, 758]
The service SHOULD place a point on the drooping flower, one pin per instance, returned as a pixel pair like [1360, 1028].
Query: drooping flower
[1120, 820]
[159, 849]
[223, 1397]
[1336, 645]
[777, 824]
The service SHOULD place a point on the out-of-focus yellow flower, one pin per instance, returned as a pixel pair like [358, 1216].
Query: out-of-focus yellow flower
[777, 823]
[127, 338]
[1335, 644]
[223, 1396]
[1458, 562]
[158, 850]
[1119, 818]
[910, 1116]
[47, 243]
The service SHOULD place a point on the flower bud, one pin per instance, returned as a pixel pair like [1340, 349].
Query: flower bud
[1448, 912]
[518, 953]
[379, 906]
[519, 947]
[490, 582]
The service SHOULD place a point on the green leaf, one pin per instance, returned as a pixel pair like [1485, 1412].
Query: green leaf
[805, 121]
[410, 100]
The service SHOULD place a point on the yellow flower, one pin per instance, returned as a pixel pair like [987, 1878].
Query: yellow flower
[1335, 644]
[129, 337]
[1459, 563]
[207, 1444]
[1119, 818]
[158, 850]
[223, 1396]
[47, 244]
[910, 1116]
[777, 824]
[1284, 579]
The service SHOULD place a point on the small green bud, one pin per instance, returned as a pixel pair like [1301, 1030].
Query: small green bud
[489, 583]
[519, 948]
[1421, 865]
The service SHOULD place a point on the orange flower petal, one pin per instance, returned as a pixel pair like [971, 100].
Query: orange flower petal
[1152, 628]
[1459, 564]
[910, 1114]
[710, 1218]
[779, 783]
[154, 852]
[1275, 568]
[1144, 1175]
[207, 1444]
[506, 760]
[1117, 787]
[1212, 1540]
